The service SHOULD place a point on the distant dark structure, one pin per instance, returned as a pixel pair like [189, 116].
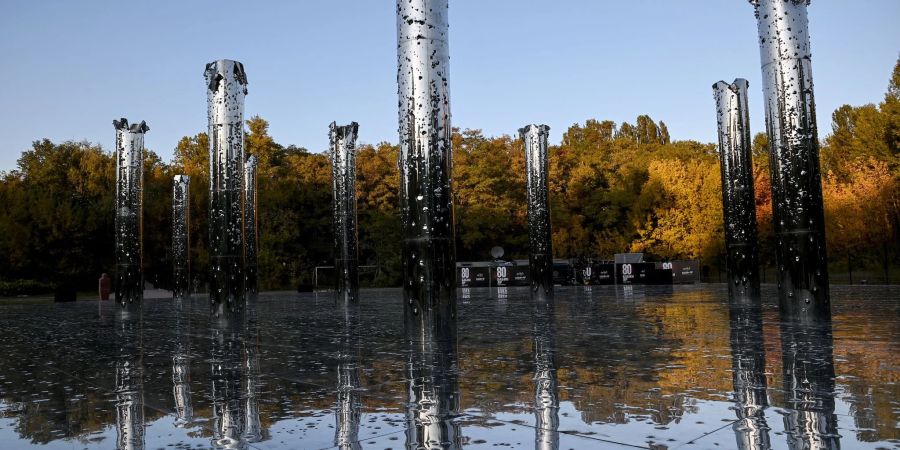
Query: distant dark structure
[226, 87]
[738, 199]
[797, 209]
[540, 236]
[343, 176]
[129, 284]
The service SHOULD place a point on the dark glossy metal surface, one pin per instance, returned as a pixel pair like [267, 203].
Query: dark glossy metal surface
[540, 236]
[613, 366]
[797, 209]
[129, 283]
[251, 230]
[738, 199]
[346, 245]
[426, 199]
[226, 85]
[181, 240]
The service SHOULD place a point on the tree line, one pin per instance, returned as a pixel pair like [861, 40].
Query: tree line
[613, 188]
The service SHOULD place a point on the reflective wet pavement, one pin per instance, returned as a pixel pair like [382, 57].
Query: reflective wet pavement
[601, 367]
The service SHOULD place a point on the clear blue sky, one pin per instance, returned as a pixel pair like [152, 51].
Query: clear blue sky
[70, 67]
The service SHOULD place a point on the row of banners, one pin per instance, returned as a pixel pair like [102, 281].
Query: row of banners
[485, 274]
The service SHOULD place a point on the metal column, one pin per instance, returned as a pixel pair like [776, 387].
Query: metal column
[539, 231]
[797, 209]
[738, 199]
[181, 241]
[129, 212]
[226, 88]
[346, 246]
[426, 202]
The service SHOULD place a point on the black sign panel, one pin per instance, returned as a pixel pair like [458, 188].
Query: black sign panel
[474, 276]
[594, 274]
[682, 271]
[686, 271]
[519, 276]
[604, 273]
[502, 276]
[634, 273]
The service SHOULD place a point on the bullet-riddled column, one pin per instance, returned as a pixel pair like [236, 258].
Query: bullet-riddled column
[346, 248]
[251, 230]
[426, 203]
[539, 233]
[129, 212]
[226, 88]
[797, 209]
[738, 200]
[181, 242]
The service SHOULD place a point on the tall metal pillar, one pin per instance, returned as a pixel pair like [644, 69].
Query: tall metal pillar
[738, 199]
[343, 176]
[426, 202]
[797, 209]
[539, 231]
[251, 230]
[226, 88]
[181, 232]
[129, 212]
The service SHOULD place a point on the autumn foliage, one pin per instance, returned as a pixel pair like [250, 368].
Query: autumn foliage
[613, 188]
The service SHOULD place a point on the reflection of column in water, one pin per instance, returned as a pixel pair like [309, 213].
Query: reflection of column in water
[809, 384]
[797, 208]
[129, 385]
[540, 257]
[181, 368]
[738, 200]
[748, 363]
[426, 201]
[546, 395]
[230, 413]
[129, 212]
[433, 385]
[226, 88]
[253, 431]
[347, 412]
[346, 246]
[181, 242]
